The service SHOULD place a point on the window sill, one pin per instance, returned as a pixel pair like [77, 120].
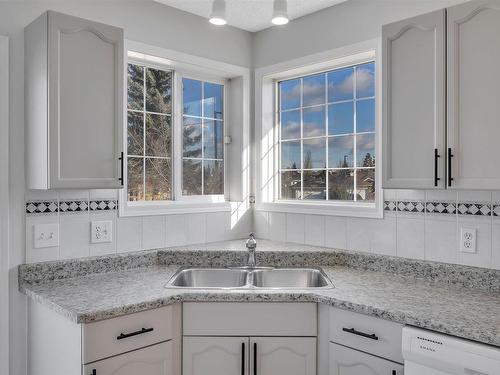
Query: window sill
[172, 208]
[366, 210]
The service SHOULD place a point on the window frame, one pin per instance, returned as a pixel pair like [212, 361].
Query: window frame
[268, 146]
[327, 136]
[179, 203]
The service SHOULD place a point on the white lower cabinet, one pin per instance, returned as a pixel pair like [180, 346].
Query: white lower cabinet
[347, 361]
[249, 355]
[215, 355]
[283, 355]
[153, 360]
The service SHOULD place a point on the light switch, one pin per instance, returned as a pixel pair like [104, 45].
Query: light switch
[101, 231]
[46, 235]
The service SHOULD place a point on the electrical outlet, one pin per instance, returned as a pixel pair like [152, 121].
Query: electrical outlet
[101, 231]
[45, 235]
[468, 240]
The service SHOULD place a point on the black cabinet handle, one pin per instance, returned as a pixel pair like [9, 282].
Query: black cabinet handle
[94, 372]
[354, 332]
[254, 358]
[131, 334]
[436, 156]
[450, 155]
[242, 358]
[394, 372]
[121, 169]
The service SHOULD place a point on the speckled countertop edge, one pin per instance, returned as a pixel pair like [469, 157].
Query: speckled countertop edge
[470, 313]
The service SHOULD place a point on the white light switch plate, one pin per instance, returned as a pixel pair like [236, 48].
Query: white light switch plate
[468, 240]
[45, 235]
[101, 231]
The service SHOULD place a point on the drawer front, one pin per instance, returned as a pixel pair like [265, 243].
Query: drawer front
[369, 334]
[153, 360]
[118, 335]
[346, 361]
[249, 319]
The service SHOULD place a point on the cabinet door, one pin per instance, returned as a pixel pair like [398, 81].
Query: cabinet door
[346, 361]
[283, 355]
[152, 360]
[474, 95]
[86, 73]
[413, 54]
[215, 355]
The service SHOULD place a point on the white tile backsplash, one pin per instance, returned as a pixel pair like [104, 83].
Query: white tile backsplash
[314, 230]
[153, 232]
[414, 235]
[383, 235]
[277, 226]
[336, 232]
[441, 239]
[75, 235]
[410, 239]
[358, 234]
[295, 227]
[129, 231]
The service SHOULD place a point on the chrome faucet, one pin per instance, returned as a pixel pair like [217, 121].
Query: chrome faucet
[251, 244]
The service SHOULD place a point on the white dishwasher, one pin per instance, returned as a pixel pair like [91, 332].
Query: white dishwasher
[430, 353]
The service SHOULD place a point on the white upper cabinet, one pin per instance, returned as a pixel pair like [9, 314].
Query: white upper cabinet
[74, 103]
[474, 95]
[414, 102]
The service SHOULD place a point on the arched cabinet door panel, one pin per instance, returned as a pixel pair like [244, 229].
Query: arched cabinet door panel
[283, 355]
[473, 94]
[413, 82]
[346, 361]
[74, 103]
[215, 355]
[153, 360]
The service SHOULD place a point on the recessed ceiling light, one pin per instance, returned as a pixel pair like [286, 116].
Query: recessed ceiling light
[280, 13]
[218, 15]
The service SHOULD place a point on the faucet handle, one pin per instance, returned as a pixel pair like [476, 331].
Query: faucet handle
[251, 242]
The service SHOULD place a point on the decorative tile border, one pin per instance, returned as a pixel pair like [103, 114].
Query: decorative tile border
[42, 207]
[79, 205]
[70, 206]
[103, 205]
[446, 208]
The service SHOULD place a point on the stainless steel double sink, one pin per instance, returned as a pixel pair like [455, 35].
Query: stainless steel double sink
[250, 278]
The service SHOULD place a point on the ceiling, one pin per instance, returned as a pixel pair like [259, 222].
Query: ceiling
[251, 15]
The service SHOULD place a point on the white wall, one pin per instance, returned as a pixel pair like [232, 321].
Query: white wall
[347, 23]
[144, 21]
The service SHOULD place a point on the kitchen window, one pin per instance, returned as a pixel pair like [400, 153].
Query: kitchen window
[175, 136]
[326, 128]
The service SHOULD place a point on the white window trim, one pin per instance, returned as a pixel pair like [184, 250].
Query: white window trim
[201, 69]
[267, 140]
[4, 204]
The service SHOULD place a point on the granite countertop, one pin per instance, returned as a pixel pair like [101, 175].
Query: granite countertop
[444, 307]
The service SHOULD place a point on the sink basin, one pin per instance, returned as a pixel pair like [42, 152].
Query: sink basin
[209, 278]
[287, 278]
[250, 278]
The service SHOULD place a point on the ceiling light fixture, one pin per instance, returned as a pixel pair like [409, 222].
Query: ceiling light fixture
[218, 15]
[280, 13]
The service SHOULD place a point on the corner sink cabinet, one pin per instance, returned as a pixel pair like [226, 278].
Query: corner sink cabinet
[229, 338]
[249, 338]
